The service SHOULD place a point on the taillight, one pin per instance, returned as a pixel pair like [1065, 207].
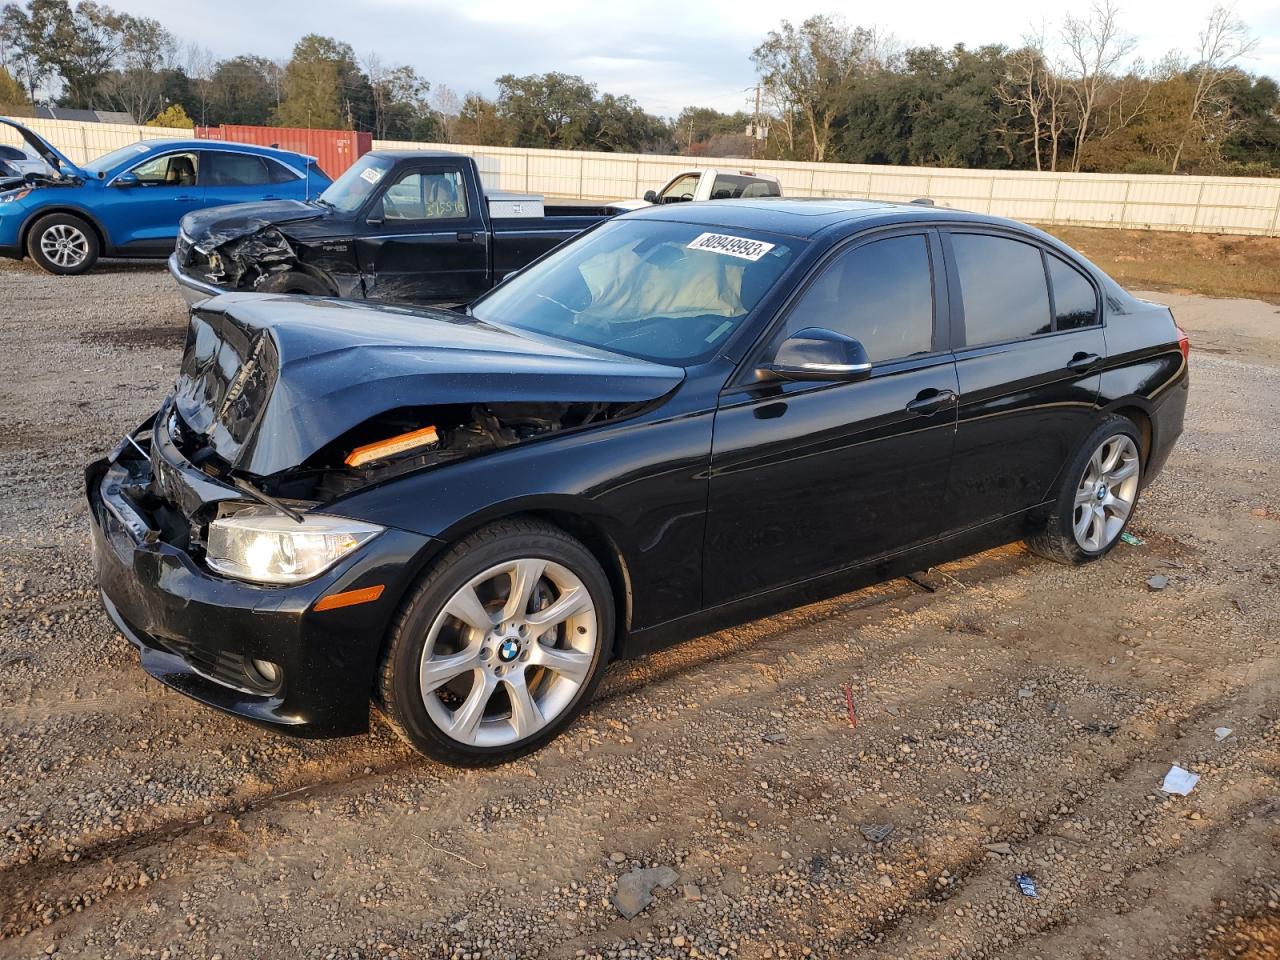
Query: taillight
[1184, 343]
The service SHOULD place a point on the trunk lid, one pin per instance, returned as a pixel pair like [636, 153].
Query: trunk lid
[270, 380]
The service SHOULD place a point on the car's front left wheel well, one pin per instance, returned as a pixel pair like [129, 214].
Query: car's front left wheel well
[39, 215]
[607, 554]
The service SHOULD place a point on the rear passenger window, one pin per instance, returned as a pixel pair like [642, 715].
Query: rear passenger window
[880, 293]
[1075, 302]
[1003, 288]
[279, 173]
[234, 170]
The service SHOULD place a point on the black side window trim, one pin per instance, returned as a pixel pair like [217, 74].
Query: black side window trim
[1045, 254]
[941, 303]
[959, 337]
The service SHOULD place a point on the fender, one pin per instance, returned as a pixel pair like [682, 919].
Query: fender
[104, 238]
[642, 483]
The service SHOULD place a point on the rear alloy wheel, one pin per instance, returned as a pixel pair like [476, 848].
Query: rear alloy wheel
[500, 647]
[1096, 495]
[63, 244]
[1106, 493]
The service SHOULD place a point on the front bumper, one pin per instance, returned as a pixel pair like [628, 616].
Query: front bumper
[196, 631]
[193, 289]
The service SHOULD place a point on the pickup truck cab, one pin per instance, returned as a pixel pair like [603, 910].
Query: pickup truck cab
[401, 226]
[710, 184]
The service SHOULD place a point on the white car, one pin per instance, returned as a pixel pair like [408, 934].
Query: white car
[709, 184]
[16, 162]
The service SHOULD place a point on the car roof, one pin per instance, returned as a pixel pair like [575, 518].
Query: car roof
[808, 217]
[401, 154]
[228, 145]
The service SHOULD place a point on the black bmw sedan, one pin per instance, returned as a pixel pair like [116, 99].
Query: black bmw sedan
[686, 417]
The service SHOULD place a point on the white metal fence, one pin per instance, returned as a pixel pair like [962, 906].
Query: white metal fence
[1244, 205]
[1240, 205]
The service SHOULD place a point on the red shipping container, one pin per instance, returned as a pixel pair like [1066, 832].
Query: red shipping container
[334, 150]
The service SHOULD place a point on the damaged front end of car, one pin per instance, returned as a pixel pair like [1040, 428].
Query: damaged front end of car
[252, 247]
[242, 261]
[226, 545]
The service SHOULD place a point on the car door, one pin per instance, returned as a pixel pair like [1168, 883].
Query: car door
[423, 237]
[231, 177]
[810, 478]
[1029, 348]
[144, 203]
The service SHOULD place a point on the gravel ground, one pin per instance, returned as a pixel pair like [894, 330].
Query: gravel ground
[1019, 720]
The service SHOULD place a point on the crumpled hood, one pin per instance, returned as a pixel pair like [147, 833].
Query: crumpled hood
[270, 380]
[210, 228]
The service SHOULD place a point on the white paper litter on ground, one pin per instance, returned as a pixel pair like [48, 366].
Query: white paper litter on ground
[1179, 781]
[1221, 733]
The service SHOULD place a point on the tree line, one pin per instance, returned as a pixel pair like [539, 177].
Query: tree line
[1070, 97]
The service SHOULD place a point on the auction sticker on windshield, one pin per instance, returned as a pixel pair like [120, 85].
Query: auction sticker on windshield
[371, 174]
[740, 247]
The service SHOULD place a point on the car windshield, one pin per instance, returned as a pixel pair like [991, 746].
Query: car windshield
[658, 290]
[109, 161]
[349, 192]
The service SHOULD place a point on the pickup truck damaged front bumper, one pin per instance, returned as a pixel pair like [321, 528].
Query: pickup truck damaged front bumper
[198, 632]
[193, 289]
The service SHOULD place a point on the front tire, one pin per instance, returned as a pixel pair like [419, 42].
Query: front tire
[63, 244]
[294, 281]
[1096, 496]
[500, 647]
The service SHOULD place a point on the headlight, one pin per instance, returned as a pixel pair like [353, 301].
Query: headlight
[13, 195]
[265, 546]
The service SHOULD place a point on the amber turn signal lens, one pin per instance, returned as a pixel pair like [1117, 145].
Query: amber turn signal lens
[350, 598]
[391, 446]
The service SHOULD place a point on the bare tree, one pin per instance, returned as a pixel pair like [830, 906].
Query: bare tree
[200, 64]
[1036, 87]
[1095, 48]
[1224, 40]
[447, 106]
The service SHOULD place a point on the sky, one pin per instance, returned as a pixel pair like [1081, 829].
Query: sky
[668, 54]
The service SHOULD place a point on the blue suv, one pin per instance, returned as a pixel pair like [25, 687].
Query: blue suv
[128, 203]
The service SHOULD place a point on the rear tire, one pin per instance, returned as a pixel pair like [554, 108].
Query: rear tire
[1096, 496]
[500, 647]
[294, 281]
[63, 244]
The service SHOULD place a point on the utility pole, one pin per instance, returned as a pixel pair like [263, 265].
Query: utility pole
[755, 124]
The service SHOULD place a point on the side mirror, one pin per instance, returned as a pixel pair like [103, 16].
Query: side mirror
[129, 179]
[817, 354]
[651, 196]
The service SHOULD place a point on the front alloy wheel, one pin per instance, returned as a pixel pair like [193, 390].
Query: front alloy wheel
[509, 652]
[500, 645]
[62, 243]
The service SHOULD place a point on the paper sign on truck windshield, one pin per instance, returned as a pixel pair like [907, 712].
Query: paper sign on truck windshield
[731, 246]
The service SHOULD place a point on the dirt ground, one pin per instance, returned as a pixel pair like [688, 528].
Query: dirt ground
[1019, 720]
[1218, 265]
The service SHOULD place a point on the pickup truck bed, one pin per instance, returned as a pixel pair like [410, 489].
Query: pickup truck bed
[399, 226]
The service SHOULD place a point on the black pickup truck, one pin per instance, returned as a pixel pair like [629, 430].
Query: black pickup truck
[406, 226]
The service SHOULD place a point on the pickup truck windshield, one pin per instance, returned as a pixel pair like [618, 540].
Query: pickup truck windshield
[349, 192]
[669, 292]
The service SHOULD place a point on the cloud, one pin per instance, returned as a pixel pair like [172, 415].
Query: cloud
[666, 53]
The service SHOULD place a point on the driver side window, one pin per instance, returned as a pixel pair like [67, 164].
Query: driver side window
[418, 195]
[168, 170]
[683, 188]
[879, 293]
